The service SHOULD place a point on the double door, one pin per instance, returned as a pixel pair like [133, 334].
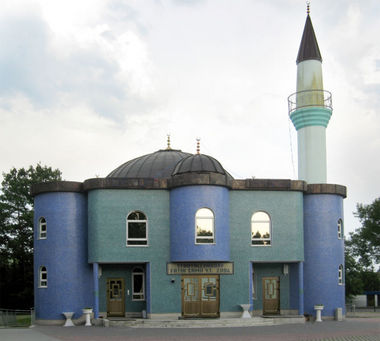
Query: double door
[200, 296]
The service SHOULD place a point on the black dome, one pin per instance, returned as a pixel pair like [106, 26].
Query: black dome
[199, 163]
[156, 165]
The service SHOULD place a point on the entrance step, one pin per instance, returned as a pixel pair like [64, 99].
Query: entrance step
[206, 323]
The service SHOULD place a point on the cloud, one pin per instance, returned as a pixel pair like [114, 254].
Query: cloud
[87, 85]
[109, 73]
[23, 62]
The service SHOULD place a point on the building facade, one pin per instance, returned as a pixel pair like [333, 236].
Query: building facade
[173, 234]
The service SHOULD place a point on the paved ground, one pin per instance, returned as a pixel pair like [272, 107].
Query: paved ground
[352, 329]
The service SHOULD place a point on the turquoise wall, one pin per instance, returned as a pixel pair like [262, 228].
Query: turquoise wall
[119, 271]
[107, 212]
[270, 270]
[107, 216]
[286, 212]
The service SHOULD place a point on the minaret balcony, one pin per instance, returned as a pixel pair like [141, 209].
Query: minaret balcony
[310, 108]
[309, 98]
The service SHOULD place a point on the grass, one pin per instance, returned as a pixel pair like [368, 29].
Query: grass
[19, 322]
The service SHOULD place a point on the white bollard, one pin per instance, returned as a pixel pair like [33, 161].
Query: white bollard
[68, 315]
[246, 313]
[87, 312]
[318, 309]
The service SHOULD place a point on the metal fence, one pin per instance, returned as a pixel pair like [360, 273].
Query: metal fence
[309, 98]
[353, 308]
[13, 318]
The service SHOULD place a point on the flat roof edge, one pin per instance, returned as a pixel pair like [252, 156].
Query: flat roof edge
[269, 185]
[56, 186]
[151, 183]
[327, 189]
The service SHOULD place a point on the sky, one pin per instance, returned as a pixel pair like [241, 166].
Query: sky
[88, 85]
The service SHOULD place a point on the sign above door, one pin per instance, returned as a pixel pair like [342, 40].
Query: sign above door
[217, 268]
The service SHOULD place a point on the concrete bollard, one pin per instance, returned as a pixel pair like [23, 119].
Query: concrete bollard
[339, 314]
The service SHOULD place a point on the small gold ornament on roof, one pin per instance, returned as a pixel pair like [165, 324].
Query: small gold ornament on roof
[168, 147]
[308, 7]
[198, 145]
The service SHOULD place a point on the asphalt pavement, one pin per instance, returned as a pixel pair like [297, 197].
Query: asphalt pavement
[351, 329]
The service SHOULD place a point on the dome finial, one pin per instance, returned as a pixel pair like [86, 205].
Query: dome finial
[168, 147]
[308, 7]
[198, 145]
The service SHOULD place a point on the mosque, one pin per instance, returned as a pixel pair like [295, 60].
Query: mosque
[172, 234]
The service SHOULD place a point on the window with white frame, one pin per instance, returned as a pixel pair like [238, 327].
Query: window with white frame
[42, 228]
[137, 229]
[43, 279]
[261, 229]
[340, 274]
[204, 226]
[138, 284]
[340, 229]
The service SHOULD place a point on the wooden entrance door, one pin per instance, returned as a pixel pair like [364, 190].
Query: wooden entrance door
[200, 296]
[115, 297]
[271, 295]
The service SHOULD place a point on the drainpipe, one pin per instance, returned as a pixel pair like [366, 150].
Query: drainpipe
[95, 267]
[300, 288]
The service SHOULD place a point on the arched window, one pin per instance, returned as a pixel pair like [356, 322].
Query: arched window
[261, 229]
[204, 226]
[137, 229]
[138, 284]
[340, 275]
[340, 229]
[43, 279]
[42, 228]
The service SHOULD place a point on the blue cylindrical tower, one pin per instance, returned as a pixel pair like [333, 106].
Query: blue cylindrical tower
[62, 275]
[199, 210]
[184, 204]
[324, 253]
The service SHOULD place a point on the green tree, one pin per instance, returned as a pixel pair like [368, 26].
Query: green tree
[362, 251]
[353, 278]
[366, 241]
[16, 234]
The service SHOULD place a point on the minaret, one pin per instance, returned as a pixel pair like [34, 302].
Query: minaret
[310, 109]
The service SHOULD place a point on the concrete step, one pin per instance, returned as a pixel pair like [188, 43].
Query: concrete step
[206, 323]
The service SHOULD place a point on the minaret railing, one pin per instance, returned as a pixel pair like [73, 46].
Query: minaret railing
[309, 98]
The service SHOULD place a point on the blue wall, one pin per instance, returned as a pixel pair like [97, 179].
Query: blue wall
[184, 203]
[324, 252]
[64, 253]
[294, 286]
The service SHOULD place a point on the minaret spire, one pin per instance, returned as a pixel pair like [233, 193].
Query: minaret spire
[310, 109]
[309, 46]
